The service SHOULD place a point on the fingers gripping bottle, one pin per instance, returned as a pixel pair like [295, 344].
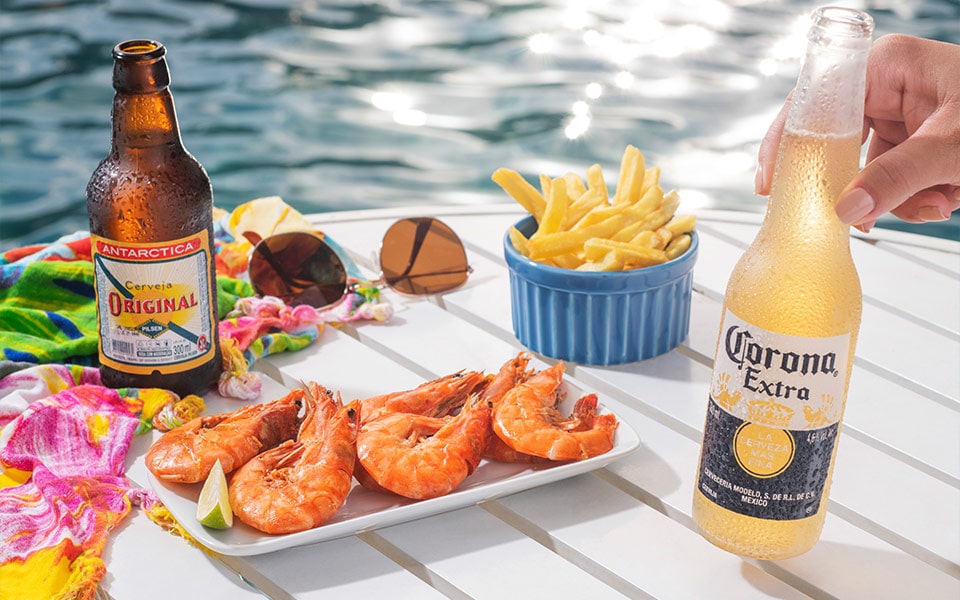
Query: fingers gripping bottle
[790, 320]
[151, 223]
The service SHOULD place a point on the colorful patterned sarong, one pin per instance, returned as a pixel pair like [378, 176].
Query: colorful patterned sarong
[63, 489]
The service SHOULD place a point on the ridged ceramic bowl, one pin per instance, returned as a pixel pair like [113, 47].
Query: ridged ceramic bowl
[599, 318]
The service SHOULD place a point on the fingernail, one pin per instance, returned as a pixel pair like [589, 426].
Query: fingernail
[854, 205]
[932, 213]
[758, 180]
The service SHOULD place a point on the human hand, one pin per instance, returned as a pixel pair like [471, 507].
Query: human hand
[913, 162]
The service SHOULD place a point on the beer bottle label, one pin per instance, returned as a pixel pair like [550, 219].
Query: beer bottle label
[772, 420]
[154, 304]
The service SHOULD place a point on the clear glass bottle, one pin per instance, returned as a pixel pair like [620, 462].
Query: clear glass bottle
[150, 205]
[790, 320]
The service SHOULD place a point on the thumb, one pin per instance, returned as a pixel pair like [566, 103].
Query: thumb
[912, 173]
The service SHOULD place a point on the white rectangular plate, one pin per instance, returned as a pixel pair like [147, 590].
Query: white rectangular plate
[365, 510]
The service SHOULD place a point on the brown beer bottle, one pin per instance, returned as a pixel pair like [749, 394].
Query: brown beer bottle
[151, 223]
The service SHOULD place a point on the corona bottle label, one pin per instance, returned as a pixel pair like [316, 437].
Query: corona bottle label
[155, 309]
[772, 420]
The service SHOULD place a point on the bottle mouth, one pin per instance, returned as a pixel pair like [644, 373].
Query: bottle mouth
[843, 22]
[139, 50]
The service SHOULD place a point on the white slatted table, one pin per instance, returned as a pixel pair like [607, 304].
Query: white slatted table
[893, 529]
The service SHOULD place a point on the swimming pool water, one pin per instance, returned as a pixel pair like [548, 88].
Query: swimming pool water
[354, 104]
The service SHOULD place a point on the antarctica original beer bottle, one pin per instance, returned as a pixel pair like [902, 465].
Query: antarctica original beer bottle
[151, 223]
[791, 315]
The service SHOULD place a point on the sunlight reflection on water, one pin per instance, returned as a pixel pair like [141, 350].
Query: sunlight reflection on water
[353, 104]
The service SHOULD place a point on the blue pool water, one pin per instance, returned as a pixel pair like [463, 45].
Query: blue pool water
[348, 104]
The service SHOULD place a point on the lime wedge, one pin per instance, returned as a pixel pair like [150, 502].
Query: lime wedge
[213, 506]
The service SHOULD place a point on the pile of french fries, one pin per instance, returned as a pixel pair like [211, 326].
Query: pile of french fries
[580, 227]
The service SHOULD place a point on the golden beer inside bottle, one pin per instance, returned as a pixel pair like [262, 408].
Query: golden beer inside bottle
[796, 279]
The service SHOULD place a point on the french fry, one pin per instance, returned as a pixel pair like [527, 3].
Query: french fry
[681, 224]
[596, 182]
[575, 187]
[525, 194]
[566, 261]
[646, 205]
[589, 200]
[556, 208]
[671, 202]
[599, 247]
[659, 217]
[651, 199]
[642, 262]
[651, 178]
[590, 266]
[611, 261]
[664, 235]
[646, 238]
[628, 233]
[565, 242]
[545, 184]
[678, 246]
[631, 176]
[595, 249]
[598, 215]
[519, 241]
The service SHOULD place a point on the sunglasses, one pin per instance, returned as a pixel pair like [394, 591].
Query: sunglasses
[418, 256]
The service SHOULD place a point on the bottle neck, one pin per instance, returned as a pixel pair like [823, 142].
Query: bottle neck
[144, 120]
[819, 151]
[143, 112]
[828, 98]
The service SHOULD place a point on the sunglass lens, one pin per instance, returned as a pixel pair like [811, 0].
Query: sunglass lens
[422, 256]
[298, 268]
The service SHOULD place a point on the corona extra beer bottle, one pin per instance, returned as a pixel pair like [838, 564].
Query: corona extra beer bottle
[151, 210]
[790, 320]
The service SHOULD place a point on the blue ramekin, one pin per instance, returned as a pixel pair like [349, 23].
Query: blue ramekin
[601, 318]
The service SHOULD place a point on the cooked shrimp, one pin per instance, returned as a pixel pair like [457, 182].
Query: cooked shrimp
[513, 372]
[420, 456]
[186, 454]
[437, 398]
[301, 484]
[528, 421]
